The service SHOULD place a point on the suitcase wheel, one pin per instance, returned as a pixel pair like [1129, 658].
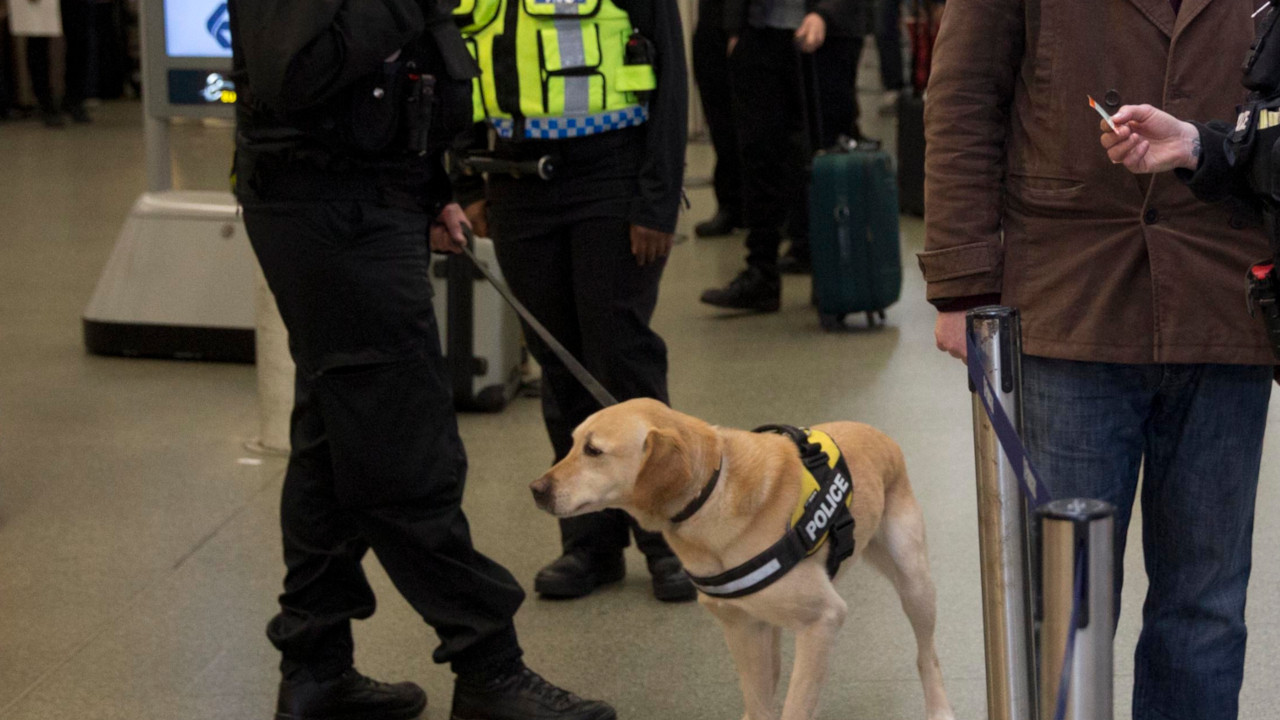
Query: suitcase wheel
[831, 322]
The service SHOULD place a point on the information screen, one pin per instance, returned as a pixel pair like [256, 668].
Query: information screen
[197, 29]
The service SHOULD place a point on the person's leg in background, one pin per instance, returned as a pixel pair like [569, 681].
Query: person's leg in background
[831, 74]
[38, 67]
[77, 31]
[8, 88]
[769, 99]
[889, 48]
[1204, 447]
[711, 70]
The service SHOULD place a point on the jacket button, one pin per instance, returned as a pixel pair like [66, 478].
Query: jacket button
[1111, 99]
[1151, 217]
[1238, 223]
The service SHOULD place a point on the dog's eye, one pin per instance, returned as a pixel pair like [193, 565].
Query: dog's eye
[592, 451]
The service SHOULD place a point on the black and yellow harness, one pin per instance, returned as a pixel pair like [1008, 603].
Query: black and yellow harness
[822, 514]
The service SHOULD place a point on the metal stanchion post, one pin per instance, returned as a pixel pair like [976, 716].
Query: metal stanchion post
[1003, 536]
[1077, 532]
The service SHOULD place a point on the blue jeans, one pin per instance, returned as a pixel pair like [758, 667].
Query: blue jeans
[1197, 430]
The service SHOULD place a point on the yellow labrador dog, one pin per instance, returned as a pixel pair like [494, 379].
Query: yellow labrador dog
[655, 463]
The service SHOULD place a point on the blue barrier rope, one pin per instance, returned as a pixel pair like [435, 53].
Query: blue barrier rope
[1037, 494]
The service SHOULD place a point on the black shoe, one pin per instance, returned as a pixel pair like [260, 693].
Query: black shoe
[794, 263]
[576, 574]
[722, 223]
[77, 112]
[753, 289]
[522, 695]
[50, 116]
[670, 582]
[350, 696]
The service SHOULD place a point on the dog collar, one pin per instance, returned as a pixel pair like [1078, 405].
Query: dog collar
[696, 504]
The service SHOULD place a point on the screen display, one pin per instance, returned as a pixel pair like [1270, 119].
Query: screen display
[197, 28]
[200, 87]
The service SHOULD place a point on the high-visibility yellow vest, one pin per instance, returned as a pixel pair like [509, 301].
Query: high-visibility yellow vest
[553, 68]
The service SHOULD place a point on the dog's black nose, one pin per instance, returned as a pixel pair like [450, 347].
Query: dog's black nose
[541, 489]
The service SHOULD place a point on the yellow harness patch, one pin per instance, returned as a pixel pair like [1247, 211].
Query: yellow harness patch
[810, 488]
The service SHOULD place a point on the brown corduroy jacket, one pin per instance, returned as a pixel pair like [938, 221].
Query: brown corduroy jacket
[1021, 200]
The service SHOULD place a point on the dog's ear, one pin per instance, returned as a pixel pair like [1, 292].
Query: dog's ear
[665, 472]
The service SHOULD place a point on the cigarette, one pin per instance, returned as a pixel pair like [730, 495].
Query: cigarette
[1093, 104]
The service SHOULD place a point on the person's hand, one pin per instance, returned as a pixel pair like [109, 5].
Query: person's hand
[812, 33]
[949, 331]
[733, 43]
[1147, 140]
[478, 216]
[446, 231]
[648, 244]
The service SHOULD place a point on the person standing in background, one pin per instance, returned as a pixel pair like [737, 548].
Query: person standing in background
[40, 21]
[585, 249]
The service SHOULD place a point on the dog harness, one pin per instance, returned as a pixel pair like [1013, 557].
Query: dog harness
[822, 514]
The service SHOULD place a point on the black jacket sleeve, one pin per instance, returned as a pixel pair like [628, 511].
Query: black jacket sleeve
[661, 179]
[300, 53]
[1215, 179]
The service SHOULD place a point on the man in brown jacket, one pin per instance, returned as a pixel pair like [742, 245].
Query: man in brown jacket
[1138, 349]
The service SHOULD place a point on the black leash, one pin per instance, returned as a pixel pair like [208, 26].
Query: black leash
[592, 385]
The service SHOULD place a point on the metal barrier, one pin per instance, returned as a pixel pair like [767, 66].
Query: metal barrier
[1071, 675]
[1003, 538]
[1078, 587]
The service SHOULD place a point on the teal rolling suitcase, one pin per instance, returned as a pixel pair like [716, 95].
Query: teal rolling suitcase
[853, 235]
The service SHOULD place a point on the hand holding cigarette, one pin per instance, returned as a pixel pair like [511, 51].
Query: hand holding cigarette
[1147, 140]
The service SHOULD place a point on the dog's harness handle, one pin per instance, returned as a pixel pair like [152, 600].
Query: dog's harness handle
[825, 516]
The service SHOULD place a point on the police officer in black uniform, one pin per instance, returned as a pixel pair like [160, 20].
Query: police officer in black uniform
[585, 249]
[342, 110]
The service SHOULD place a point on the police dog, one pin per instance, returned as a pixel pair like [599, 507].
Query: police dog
[654, 462]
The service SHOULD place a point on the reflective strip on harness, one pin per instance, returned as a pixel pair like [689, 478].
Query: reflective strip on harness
[556, 128]
[822, 514]
[748, 581]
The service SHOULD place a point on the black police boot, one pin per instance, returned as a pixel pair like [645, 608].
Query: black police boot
[350, 696]
[753, 289]
[722, 223]
[670, 582]
[50, 116]
[521, 694]
[796, 260]
[578, 573]
[77, 112]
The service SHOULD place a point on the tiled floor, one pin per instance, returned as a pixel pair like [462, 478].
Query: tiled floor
[139, 560]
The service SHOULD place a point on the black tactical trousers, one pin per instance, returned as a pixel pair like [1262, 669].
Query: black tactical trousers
[769, 109]
[376, 461]
[711, 69]
[565, 250]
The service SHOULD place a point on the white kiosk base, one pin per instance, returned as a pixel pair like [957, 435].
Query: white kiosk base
[179, 283]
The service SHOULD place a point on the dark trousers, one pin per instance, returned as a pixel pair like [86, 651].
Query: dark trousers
[1195, 432]
[77, 24]
[376, 461]
[565, 248]
[830, 77]
[889, 43]
[769, 112]
[835, 76]
[711, 70]
[582, 282]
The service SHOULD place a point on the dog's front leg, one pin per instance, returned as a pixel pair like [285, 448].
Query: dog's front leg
[756, 653]
[814, 641]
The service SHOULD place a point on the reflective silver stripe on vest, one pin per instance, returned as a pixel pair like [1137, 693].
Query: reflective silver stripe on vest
[741, 583]
[577, 88]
